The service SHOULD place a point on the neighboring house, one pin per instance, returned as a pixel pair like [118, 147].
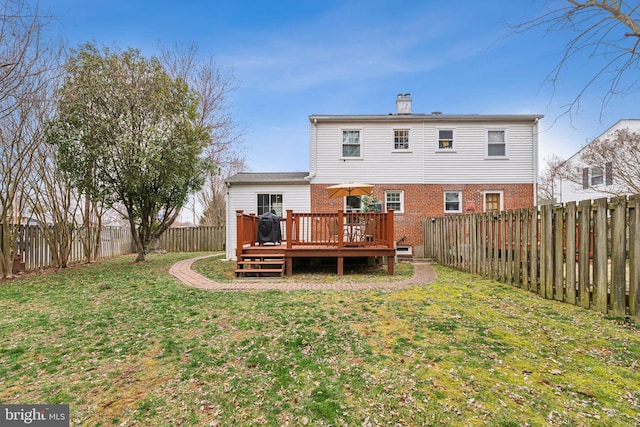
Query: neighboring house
[590, 181]
[421, 166]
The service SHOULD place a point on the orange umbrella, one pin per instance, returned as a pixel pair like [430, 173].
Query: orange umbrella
[350, 189]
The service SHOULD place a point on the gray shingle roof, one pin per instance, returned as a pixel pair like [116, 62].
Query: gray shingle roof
[268, 178]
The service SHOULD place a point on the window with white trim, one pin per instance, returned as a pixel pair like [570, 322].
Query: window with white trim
[597, 175]
[394, 200]
[401, 139]
[445, 139]
[496, 143]
[352, 204]
[266, 202]
[452, 201]
[351, 143]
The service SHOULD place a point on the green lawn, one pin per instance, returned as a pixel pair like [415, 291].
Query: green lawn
[127, 344]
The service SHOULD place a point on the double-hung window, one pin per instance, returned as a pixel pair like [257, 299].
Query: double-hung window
[266, 202]
[351, 143]
[401, 139]
[597, 176]
[394, 200]
[452, 201]
[445, 139]
[496, 143]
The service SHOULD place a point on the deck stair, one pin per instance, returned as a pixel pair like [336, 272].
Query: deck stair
[260, 264]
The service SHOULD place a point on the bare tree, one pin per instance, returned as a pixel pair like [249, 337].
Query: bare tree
[548, 180]
[615, 157]
[619, 158]
[213, 87]
[213, 194]
[606, 30]
[25, 73]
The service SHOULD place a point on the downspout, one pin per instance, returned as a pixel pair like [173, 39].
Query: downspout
[535, 162]
[314, 154]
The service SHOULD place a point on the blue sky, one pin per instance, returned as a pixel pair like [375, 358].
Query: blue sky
[294, 58]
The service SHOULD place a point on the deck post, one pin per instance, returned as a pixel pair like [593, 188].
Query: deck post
[390, 241]
[390, 230]
[289, 232]
[340, 235]
[239, 233]
[340, 266]
[254, 229]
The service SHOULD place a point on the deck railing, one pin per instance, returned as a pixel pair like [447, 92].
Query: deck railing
[339, 229]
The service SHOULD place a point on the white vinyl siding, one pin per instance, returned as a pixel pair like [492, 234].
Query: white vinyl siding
[469, 164]
[245, 197]
[379, 162]
[424, 163]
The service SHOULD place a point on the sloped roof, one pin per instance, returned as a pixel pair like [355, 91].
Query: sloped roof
[433, 117]
[268, 178]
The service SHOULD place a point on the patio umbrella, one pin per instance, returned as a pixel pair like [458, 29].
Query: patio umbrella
[350, 189]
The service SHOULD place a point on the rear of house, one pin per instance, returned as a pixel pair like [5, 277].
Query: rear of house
[421, 166]
[425, 165]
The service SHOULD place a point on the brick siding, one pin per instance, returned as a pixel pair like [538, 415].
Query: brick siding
[423, 201]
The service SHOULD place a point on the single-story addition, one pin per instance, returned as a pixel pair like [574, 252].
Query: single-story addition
[421, 166]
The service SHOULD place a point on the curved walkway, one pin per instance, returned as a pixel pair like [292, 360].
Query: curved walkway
[423, 274]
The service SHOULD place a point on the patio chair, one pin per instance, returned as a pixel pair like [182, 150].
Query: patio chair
[370, 230]
[334, 230]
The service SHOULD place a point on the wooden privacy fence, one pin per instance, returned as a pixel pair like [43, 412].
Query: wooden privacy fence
[585, 253]
[193, 239]
[35, 253]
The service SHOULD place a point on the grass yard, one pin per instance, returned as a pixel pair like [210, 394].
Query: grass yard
[127, 344]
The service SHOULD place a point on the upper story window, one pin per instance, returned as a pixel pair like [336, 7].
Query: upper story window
[351, 143]
[445, 139]
[452, 201]
[401, 139]
[597, 176]
[496, 143]
[394, 200]
[266, 202]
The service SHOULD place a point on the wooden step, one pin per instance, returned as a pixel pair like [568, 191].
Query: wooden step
[259, 270]
[270, 262]
[262, 256]
[260, 264]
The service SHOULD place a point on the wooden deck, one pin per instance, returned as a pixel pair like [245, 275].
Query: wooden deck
[336, 235]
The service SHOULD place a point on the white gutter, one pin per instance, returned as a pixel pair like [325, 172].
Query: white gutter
[535, 162]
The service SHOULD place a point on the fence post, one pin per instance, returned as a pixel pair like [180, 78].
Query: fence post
[546, 252]
[618, 257]
[600, 265]
[570, 285]
[558, 252]
[634, 259]
[584, 253]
